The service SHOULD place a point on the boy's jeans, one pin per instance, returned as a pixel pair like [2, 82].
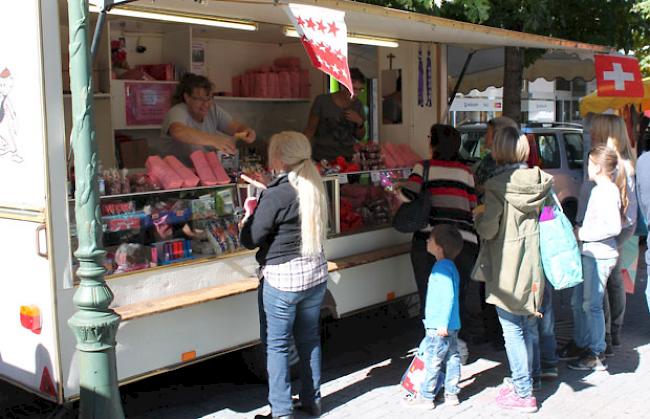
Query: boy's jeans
[547, 355]
[522, 340]
[285, 316]
[440, 350]
[587, 304]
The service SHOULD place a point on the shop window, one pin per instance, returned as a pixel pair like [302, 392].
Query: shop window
[564, 85]
[549, 151]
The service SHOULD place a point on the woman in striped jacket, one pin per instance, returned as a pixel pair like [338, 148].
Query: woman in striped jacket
[453, 198]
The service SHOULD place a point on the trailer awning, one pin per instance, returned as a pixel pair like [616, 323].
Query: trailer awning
[377, 21]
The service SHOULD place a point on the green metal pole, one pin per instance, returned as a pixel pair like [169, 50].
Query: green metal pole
[94, 324]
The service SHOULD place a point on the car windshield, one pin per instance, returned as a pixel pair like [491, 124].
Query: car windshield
[472, 145]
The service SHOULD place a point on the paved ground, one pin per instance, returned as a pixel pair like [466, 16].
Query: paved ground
[364, 358]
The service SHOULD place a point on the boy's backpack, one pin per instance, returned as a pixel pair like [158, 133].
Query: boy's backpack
[558, 247]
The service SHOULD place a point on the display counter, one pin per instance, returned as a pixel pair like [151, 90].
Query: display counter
[157, 229]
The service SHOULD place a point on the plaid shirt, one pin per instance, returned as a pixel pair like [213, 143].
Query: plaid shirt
[299, 274]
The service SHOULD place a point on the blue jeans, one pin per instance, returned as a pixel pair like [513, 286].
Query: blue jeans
[284, 317]
[522, 340]
[547, 354]
[647, 287]
[440, 351]
[587, 304]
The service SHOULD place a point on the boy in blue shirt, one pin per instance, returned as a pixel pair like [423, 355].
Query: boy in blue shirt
[441, 320]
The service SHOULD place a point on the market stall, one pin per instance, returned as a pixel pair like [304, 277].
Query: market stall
[184, 287]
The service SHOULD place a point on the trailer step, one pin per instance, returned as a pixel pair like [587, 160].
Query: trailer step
[187, 299]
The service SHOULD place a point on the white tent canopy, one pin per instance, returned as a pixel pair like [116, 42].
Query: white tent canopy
[486, 67]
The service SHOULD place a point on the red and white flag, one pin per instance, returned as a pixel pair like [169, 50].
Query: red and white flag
[618, 76]
[324, 35]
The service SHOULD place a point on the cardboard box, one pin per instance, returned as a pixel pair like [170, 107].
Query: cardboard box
[133, 153]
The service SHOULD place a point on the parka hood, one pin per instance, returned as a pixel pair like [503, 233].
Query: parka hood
[525, 189]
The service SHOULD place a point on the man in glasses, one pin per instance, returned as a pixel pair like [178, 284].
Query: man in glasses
[195, 122]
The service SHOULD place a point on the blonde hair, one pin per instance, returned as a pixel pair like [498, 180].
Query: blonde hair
[510, 146]
[294, 151]
[610, 130]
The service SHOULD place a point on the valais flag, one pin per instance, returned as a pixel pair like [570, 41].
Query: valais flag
[618, 76]
[324, 35]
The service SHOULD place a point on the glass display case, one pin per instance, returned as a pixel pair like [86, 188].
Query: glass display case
[156, 228]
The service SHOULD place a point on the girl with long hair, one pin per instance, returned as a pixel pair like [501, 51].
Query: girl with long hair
[600, 228]
[289, 226]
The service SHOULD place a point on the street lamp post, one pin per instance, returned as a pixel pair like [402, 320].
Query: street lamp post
[94, 324]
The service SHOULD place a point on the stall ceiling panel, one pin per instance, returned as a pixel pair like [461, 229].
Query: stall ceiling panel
[375, 21]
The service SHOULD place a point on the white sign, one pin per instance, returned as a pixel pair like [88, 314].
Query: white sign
[22, 155]
[343, 179]
[469, 104]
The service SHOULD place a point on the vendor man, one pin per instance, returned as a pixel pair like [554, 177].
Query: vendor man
[337, 121]
[195, 122]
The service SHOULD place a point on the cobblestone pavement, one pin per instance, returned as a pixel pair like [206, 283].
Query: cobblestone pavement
[364, 358]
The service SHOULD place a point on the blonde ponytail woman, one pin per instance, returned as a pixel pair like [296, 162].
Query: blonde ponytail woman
[289, 226]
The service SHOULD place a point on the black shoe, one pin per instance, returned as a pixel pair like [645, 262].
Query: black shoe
[570, 352]
[314, 409]
[270, 416]
[589, 362]
[609, 350]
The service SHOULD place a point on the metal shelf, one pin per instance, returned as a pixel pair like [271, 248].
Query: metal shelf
[162, 191]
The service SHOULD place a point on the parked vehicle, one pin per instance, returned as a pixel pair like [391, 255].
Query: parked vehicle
[560, 150]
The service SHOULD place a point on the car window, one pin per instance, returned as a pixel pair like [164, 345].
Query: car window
[549, 151]
[573, 143]
[472, 145]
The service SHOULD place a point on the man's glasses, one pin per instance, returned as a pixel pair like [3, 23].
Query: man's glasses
[203, 99]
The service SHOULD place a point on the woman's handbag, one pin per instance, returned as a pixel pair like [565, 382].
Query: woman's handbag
[414, 216]
[558, 247]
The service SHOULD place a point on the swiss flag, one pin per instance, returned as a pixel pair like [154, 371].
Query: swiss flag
[324, 35]
[618, 76]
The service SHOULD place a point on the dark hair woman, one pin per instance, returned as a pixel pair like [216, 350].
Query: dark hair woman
[195, 122]
[453, 198]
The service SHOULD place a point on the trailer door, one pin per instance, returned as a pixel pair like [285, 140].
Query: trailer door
[28, 350]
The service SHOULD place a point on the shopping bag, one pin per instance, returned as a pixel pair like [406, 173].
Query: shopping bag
[629, 261]
[559, 250]
[414, 375]
[414, 216]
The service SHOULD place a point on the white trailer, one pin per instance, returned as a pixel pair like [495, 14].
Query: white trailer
[179, 314]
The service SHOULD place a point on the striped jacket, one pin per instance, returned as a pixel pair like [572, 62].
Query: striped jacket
[453, 196]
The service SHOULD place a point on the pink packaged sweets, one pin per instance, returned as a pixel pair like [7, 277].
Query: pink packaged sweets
[203, 168]
[188, 177]
[285, 84]
[218, 170]
[160, 171]
[274, 85]
[261, 85]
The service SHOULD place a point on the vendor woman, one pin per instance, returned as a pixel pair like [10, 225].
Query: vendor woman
[337, 121]
[195, 122]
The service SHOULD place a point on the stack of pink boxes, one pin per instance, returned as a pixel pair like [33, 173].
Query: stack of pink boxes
[284, 79]
[399, 155]
[172, 174]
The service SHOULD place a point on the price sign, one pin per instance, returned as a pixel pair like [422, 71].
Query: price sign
[406, 173]
[343, 179]
[375, 177]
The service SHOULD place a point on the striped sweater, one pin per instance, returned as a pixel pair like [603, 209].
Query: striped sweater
[453, 196]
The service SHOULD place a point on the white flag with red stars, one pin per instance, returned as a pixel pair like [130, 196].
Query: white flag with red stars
[324, 35]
